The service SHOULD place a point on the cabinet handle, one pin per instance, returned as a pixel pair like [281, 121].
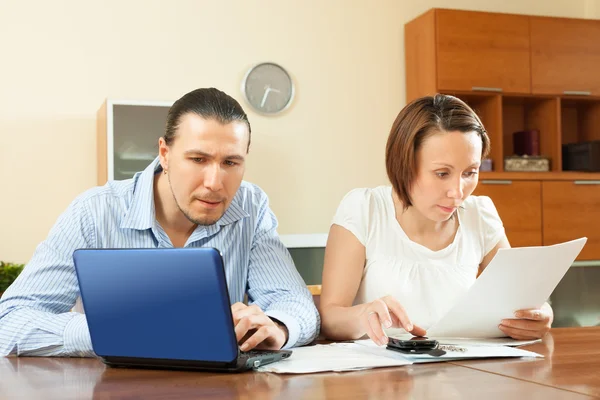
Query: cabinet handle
[592, 263]
[495, 182]
[486, 89]
[586, 182]
[577, 92]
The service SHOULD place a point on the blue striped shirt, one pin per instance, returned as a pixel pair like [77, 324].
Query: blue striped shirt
[35, 312]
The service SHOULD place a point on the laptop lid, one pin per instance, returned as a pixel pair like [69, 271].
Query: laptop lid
[157, 303]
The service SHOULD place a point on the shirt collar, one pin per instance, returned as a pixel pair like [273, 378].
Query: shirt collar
[142, 214]
[235, 211]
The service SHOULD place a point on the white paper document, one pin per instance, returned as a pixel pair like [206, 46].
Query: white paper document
[365, 354]
[463, 352]
[335, 357]
[515, 279]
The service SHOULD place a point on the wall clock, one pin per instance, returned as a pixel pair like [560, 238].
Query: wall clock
[268, 88]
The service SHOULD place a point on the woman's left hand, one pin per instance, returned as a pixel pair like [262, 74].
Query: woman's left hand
[530, 324]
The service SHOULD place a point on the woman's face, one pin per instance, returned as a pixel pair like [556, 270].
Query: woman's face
[447, 173]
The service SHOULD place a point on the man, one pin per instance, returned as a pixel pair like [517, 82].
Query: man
[192, 195]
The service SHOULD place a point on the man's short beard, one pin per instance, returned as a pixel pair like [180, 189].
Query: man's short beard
[202, 222]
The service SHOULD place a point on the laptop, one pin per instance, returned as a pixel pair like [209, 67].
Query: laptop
[162, 308]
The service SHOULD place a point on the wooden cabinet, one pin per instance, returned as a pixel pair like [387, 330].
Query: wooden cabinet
[482, 51]
[565, 56]
[572, 210]
[520, 72]
[455, 50]
[519, 206]
[449, 50]
[507, 68]
[539, 212]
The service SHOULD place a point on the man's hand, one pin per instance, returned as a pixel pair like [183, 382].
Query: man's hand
[253, 329]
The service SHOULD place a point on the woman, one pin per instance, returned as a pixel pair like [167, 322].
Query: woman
[401, 256]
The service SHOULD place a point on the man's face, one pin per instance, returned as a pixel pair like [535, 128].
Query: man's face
[205, 165]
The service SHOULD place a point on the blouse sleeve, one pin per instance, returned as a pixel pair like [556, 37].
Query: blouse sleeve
[353, 213]
[492, 229]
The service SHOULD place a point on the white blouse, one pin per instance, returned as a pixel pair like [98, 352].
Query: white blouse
[427, 283]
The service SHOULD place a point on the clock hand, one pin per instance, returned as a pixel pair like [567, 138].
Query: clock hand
[264, 99]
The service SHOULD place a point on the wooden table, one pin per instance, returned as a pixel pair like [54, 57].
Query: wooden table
[572, 362]
[570, 371]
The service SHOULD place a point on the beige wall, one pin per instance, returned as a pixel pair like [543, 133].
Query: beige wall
[61, 59]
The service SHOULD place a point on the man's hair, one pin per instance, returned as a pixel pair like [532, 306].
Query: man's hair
[416, 122]
[209, 103]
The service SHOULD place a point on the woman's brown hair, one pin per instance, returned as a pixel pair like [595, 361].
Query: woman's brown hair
[417, 121]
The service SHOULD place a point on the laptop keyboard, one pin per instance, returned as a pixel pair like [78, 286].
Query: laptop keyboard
[254, 353]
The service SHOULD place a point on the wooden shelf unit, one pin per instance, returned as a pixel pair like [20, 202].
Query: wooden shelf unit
[520, 72]
[488, 62]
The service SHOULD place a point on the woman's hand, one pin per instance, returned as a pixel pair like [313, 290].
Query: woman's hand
[388, 312]
[530, 324]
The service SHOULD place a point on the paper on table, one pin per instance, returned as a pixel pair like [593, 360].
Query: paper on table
[335, 357]
[515, 279]
[468, 352]
[504, 341]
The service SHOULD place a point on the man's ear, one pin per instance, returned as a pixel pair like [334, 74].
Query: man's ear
[163, 153]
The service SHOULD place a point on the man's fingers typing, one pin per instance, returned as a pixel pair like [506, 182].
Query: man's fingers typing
[237, 307]
[261, 334]
[253, 321]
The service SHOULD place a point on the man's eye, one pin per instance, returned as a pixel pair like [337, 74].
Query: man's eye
[197, 159]
[230, 163]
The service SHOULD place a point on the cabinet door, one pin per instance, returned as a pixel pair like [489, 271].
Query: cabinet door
[572, 210]
[482, 51]
[565, 56]
[520, 208]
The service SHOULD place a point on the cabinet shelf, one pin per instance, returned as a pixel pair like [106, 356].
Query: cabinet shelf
[580, 119]
[541, 176]
[559, 119]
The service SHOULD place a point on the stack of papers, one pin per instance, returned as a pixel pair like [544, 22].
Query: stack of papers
[463, 352]
[336, 357]
[365, 354]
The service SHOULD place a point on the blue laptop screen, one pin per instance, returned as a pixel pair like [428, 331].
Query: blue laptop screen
[157, 303]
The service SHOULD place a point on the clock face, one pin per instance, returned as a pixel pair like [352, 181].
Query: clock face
[268, 88]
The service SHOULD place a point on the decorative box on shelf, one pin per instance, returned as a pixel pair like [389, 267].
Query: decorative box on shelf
[526, 164]
[583, 156]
